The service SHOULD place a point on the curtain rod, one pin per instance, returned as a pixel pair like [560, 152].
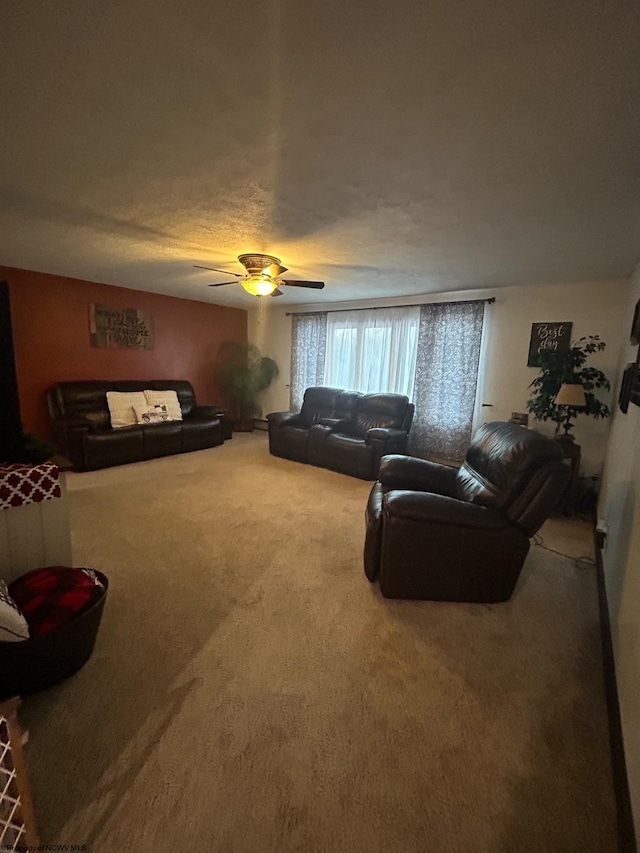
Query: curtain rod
[489, 300]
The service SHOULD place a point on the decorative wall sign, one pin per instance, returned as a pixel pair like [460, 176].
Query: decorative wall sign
[548, 337]
[124, 328]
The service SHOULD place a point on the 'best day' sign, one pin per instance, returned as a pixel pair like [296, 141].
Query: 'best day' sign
[548, 337]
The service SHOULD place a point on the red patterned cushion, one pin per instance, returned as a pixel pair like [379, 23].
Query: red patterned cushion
[52, 597]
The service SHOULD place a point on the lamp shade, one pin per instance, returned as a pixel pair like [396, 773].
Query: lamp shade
[571, 394]
[258, 284]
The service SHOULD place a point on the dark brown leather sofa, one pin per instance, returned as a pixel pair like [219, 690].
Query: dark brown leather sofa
[448, 534]
[82, 427]
[342, 430]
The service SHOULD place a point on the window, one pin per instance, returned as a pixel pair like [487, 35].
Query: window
[372, 351]
[431, 354]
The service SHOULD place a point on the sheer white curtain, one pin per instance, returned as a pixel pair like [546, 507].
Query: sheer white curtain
[308, 346]
[372, 350]
[446, 378]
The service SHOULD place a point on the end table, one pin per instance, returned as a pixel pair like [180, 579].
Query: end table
[572, 452]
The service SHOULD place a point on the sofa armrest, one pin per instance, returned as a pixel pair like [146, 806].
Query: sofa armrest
[427, 507]
[284, 419]
[204, 412]
[408, 472]
[68, 434]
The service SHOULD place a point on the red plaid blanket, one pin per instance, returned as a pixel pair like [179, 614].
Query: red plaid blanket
[51, 597]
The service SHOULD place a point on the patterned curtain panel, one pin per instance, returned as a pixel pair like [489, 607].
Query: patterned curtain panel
[446, 378]
[308, 350]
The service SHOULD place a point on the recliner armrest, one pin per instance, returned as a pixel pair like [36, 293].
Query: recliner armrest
[284, 418]
[409, 472]
[440, 509]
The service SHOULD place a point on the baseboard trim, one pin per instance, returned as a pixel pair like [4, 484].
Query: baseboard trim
[624, 813]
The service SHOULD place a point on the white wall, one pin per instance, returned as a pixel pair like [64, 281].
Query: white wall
[620, 507]
[595, 308]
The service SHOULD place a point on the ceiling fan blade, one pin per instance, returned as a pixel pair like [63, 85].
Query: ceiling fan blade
[222, 283]
[274, 270]
[318, 285]
[276, 292]
[213, 269]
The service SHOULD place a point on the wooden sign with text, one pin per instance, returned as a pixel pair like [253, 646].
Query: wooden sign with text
[548, 337]
[122, 328]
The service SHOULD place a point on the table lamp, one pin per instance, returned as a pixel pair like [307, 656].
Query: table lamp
[572, 396]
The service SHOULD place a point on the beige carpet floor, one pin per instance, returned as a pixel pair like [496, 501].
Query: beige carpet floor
[251, 692]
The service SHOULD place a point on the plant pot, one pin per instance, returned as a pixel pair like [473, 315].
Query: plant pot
[243, 426]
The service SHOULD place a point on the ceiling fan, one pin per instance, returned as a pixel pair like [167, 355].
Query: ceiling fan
[262, 277]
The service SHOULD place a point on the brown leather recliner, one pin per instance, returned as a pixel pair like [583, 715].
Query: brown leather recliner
[448, 534]
[345, 431]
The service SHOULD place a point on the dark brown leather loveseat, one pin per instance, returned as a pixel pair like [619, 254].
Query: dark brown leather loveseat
[82, 427]
[342, 430]
[448, 534]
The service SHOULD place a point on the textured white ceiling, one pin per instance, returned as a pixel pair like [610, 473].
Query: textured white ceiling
[389, 148]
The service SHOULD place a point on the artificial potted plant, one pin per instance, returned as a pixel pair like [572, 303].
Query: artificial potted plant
[568, 368]
[243, 373]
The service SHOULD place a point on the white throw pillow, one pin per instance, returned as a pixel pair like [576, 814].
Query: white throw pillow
[121, 407]
[151, 414]
[13, 625]
[168, 399]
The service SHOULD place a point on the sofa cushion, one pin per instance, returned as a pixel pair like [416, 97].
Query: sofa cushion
[113, 447]
[200, 431]
[165, 398]
[295, 440]
[350, 455]
[98, 420]
[151, 414]
[121, 411]
[319, 403]
[128, 386]
[75, 399]
[347, 403]
[380, 410]
[183, 389]
[161, 439]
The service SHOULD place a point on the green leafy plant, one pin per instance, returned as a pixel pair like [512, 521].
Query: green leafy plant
[37, 450]
[243, 373]
[29, 449]
[568, 367]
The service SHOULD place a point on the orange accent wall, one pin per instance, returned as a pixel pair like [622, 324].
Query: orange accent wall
[50, 316]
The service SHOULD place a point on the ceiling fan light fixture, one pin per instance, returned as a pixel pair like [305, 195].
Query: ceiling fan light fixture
[258, 284]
